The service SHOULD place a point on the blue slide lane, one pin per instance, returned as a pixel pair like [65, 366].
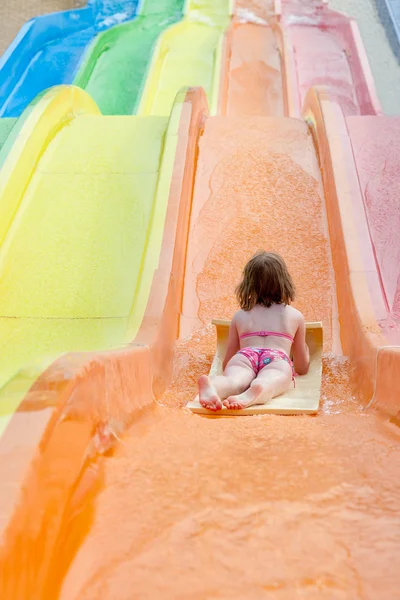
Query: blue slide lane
[48, 49]
[389, 13]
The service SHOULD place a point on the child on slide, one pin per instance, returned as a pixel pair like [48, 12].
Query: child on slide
[257, 365]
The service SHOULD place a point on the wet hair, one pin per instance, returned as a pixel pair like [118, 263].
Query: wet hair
[265, 281]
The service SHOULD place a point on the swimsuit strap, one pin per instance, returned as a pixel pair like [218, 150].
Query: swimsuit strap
[266, 334]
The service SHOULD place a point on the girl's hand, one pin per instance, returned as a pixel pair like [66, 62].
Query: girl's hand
[300, 350]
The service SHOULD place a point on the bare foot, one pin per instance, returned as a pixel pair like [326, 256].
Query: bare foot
[248, 398]
[208, 396]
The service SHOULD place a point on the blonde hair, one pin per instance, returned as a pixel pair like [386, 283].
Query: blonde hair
[265, 281]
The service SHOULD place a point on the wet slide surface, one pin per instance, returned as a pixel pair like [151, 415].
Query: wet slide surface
[323, 60]
[48, 50]
[327, 50]
[6, 126]
[255, 10]
[114, 70]
[71, 275]
[258, 507]
[376, 146]
[254, 63]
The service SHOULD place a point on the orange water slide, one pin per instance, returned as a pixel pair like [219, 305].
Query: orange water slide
[189, 507]
[256, 507]
[254, 62]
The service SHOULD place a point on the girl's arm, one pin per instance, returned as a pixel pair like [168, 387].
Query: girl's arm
[301, 353]
[233, 343]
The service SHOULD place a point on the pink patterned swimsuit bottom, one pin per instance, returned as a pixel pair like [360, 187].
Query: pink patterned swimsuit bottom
[261, 357]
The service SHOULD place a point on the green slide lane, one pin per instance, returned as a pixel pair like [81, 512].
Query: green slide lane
[115, 66]
[6, 126]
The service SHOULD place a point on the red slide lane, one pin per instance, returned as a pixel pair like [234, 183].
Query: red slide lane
[376, 148]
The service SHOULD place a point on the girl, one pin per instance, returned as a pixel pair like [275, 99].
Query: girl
[257, 365]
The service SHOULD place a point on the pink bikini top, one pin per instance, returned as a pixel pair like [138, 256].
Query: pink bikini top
[266, 334]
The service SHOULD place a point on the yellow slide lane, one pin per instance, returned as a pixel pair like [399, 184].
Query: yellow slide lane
[188, 54]
[83, 199]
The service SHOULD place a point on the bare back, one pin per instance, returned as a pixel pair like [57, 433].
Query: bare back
[279, 318]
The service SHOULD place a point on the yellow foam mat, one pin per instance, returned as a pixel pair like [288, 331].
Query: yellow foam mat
[303, 399]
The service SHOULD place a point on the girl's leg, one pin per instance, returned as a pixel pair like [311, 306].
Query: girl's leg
[236, 378]
[273, 380]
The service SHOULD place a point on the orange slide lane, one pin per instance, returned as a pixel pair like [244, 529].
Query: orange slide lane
[258, 507]
[255, 62]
